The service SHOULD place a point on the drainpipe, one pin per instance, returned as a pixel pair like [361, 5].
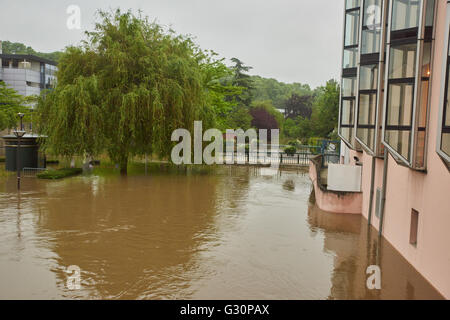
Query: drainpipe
[372, 187]
[383, 199]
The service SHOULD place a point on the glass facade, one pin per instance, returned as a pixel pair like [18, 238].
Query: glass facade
[407, 89]
[445, 135]
[349, 66]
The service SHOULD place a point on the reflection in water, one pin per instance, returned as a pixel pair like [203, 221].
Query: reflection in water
[242, 233]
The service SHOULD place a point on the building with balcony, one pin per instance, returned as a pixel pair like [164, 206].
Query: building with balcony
[27, 74]
[395, 123]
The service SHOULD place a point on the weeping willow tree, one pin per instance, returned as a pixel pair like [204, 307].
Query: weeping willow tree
[124, 90]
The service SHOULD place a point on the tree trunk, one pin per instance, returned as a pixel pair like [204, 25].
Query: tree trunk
[124, 165]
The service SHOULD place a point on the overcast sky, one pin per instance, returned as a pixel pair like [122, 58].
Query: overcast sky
[289, 40]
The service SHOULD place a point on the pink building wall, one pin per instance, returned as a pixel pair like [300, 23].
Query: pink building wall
[428, 193]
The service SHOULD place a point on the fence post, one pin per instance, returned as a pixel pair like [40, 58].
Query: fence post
[281, 158]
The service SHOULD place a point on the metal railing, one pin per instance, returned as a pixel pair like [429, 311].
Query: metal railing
[31, 172]
[298, 158]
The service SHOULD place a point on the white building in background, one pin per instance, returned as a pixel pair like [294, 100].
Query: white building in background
[27, 74]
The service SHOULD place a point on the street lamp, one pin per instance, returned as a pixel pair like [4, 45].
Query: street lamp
[19, 134]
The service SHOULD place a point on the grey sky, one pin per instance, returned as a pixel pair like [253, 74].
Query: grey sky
[290, 40]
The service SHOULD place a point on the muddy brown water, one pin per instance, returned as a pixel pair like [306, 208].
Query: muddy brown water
[238, 233]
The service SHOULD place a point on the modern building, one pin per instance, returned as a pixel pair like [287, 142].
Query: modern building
[395, 121]
[28, 75]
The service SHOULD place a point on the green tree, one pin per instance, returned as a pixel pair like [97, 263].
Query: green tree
[326, 109]
[124, 91]
[11, 103]
[299, 106]
[19, 48]
[243, 80]
[221, 93]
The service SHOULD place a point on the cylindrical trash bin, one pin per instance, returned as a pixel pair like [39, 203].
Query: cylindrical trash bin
[29, 152]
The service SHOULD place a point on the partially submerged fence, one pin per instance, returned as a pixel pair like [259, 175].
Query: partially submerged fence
[31, 172]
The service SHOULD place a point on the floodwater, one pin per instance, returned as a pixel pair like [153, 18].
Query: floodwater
[241, 233]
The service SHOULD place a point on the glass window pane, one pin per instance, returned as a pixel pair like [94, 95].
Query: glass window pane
[347, 134]
[371, 27]
[402, 61]
[447, 103]
[426, 71]
[446, 143]
[367, 136]
[348, 108]
[429, 19]
[367, 107]
[350, 4]
[405, 14]
[350, 56]
[370, 41]
[368, 77]
[352, 28]
[400, 103]
[348, 87]
[399, 141]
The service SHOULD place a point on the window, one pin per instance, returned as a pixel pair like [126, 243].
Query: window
[407, 89]
[414, 227]
[444, 143]
[352, 28]
[400, 100]
[348, 108]
[405, 14]
[371, 29]
[349, 65]
[368, 84]
[350, 57]
[351, 4]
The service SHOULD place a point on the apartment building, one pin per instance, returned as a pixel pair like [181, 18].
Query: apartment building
[395, 120]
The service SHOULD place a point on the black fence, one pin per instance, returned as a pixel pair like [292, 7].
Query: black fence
[298, 158]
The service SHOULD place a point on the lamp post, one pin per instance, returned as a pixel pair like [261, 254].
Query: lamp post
[19, 134]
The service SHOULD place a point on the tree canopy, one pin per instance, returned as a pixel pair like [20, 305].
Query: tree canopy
[126, 89]
[9, 47]
[11, 103]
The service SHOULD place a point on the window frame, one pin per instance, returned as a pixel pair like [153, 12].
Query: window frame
[420, 39]
[351, 72]
[444, 91]
[376, 58]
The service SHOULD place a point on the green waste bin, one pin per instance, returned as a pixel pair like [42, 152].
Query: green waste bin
[29, 152]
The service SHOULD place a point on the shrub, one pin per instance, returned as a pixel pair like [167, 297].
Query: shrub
[290, 150]
[60, 173]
